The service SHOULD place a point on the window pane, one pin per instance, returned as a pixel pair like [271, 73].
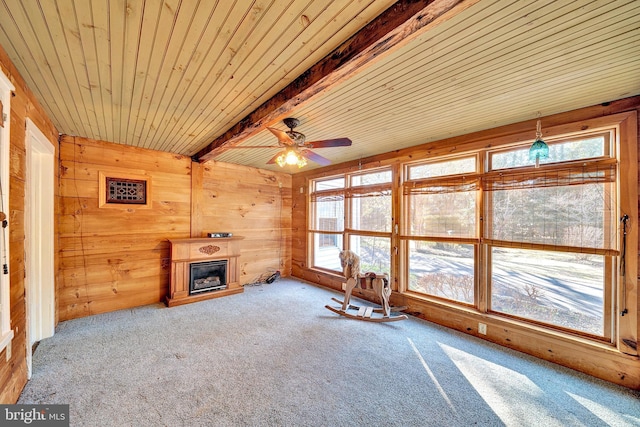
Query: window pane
[444, 168]
[442, 269]
[564, 151]
[371, 213]
[374, 253]
[570, 215]
[329, 214]
[326, 251]
[443, 215]
[329, 184]
[379, 177]
[558, 288]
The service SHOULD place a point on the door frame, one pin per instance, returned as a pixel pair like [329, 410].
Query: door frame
[39, 238]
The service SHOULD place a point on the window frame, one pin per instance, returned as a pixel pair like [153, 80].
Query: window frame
[347, 194]
[625, 326]
[445, 181]
[623, 154]
[314, 232]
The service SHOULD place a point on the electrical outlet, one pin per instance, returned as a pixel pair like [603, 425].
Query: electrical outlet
[344, 286]
[482, 328]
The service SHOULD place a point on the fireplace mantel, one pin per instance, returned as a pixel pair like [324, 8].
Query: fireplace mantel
[185, 252]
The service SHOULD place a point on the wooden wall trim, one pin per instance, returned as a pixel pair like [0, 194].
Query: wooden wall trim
[627, 340]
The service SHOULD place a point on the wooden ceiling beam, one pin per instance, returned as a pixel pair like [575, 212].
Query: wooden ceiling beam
[392, 29]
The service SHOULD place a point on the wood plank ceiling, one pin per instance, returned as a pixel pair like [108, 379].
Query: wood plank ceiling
[174, 75]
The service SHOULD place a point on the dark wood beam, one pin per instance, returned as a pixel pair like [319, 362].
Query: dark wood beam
[392, 29]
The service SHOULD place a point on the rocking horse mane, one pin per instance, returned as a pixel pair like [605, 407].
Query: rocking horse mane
[350, 264]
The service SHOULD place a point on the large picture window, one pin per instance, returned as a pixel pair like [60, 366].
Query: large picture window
[487, 229]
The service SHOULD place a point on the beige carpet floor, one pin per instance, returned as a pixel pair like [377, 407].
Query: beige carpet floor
[274, 356]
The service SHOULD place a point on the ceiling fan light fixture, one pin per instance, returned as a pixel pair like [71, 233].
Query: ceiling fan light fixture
[296, 150]
[291, 157]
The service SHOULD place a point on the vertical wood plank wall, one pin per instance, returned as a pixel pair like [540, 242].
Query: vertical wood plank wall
[115, 258]
[13, 372]
[603, 362]
[248, 202]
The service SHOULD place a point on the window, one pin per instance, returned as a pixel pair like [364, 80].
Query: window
[370, 220]
[486, 230]
[352, 212]
[6, 333]
[551, 235]
[441, 236]
[545, 239]
[327, 222]
[565, 150]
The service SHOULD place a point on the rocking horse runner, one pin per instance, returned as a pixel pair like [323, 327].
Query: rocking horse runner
[379, 283]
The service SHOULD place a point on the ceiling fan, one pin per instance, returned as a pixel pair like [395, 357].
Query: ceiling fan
[296, 149]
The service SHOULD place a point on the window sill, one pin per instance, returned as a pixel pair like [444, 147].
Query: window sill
[505, 323]
[328, 272]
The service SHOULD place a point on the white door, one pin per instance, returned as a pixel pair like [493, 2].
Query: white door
[40, 279]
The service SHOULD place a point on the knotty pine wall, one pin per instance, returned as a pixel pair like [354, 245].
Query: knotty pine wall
[253, 203]
[13, 372]
[115, 258]
[598, 360]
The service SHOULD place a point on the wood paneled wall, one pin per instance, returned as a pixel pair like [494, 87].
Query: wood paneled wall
[598, 360]
[13, 372]
[117, 256]
[248, 202]
[114, 258]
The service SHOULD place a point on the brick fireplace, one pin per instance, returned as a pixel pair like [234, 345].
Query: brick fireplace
[204, 268]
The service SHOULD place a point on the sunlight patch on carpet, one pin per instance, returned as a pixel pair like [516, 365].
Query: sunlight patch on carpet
[605, 414]
[430, 373]
[511, 395]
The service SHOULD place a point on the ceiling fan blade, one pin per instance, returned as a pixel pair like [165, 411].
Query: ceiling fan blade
[254, 146]
[338, 142]
[273, 159]
[282, 137]
[314, 157]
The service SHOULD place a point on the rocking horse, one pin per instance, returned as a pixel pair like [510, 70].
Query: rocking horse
[379, 283]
